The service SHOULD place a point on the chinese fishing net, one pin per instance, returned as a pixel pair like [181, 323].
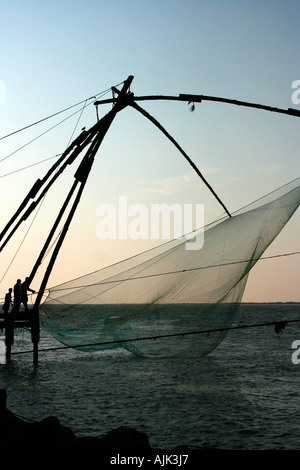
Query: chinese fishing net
[153, 304]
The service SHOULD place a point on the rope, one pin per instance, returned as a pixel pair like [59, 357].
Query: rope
[29, 166]
[102, 93]
[22, 241]
[279, 326]
[82, 109]
[266, 195]
[48, 130]
[178, 271]
[40, 135]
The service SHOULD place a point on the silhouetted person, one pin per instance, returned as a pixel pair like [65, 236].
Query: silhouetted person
[7, 301]
[17, 296]
[24, 289]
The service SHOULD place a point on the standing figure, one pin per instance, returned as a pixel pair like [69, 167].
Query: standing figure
[7, 301]
[17, 296]
[24, 289]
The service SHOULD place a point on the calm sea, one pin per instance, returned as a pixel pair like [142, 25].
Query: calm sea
[243, 395]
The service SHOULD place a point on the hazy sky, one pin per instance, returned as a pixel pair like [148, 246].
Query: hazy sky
[55, 54]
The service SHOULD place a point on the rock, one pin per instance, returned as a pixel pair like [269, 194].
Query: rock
[15, 433]
[124, 438]
[48, 434]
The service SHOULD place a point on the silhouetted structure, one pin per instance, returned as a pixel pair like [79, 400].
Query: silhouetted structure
[89, 141]
[17, 296]
[7, 301]
[23, 293]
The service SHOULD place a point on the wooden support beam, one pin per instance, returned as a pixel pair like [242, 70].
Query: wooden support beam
[12, 321]
[35, 335]
[200, 98]
[9, 335]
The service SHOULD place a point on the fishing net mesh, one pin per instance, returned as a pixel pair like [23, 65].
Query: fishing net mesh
[157, 302]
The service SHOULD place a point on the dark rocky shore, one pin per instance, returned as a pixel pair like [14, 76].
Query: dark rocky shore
[118, 447]
[49, 434]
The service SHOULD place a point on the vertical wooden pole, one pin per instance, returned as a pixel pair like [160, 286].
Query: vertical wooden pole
[9, 335]
[35, 335]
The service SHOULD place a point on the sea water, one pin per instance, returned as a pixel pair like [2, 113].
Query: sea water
[243, 395]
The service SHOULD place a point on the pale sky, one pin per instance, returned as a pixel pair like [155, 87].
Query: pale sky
[55, 54]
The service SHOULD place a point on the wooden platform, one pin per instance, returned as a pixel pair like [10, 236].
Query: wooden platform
[11, 321]
[20, 319]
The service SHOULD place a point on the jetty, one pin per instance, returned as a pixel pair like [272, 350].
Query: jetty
[11, 321]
